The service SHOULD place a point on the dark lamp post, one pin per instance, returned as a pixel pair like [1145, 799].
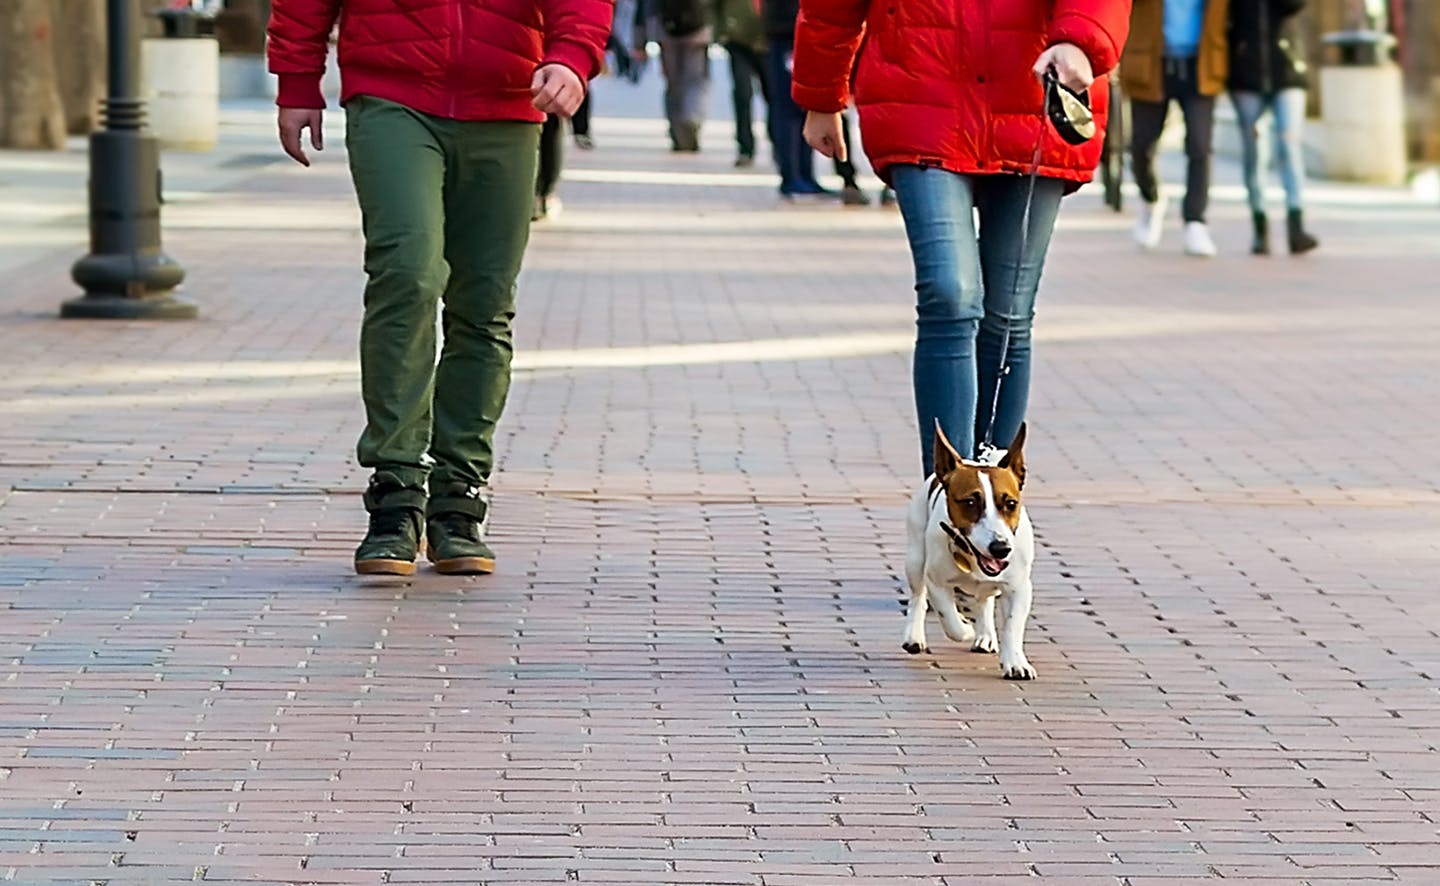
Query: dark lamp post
[127, 275]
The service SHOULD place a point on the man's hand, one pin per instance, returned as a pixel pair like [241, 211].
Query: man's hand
[556, 89]
[294, 121]
[1072, 66]
[823, 133]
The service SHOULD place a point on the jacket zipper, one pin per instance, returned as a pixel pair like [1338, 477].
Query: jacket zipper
[457, 29]
[984, 74]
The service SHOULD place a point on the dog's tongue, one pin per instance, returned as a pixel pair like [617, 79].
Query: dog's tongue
[992, 565]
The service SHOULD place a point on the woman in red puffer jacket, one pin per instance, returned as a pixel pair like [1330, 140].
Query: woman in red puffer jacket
[951, 116]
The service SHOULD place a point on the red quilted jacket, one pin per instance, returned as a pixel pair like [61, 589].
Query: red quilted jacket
[948, 83]
[459, 59]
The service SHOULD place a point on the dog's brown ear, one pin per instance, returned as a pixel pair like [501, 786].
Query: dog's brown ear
[1014, 459]
[946, 458]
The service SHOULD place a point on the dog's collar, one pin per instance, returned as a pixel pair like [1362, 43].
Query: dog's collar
[962, 547]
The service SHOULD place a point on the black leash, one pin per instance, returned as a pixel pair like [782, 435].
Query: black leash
[1070, 113]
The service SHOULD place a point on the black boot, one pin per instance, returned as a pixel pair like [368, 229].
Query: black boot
[396, 523]
[1261, 244]
[455, 530]
[1300, 241]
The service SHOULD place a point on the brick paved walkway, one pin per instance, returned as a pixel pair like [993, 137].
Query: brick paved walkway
[688, 668]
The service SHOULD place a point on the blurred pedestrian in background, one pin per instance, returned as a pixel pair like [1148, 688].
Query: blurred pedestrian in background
[1177, 53]
[1267, 75]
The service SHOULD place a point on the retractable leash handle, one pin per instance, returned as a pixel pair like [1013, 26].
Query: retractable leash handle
[1068, 110]
[1069, 113]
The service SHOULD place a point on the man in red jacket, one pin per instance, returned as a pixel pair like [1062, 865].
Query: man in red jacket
[444, 101]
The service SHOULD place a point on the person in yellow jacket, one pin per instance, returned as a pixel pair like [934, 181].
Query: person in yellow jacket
[1177, 52]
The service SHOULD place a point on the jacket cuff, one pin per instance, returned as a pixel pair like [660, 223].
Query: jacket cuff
[821, 101]
[1092, 39]
[573, 56]
[300, 91]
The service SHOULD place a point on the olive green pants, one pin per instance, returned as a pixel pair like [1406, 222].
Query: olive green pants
[446, 207]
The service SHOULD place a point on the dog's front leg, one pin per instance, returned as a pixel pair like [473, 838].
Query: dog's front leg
[955, 627]
[914, 642]
[985, 626]
[1013, 663]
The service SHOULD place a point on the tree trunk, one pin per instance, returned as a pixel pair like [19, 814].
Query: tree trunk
[80, 61]
[31, 115]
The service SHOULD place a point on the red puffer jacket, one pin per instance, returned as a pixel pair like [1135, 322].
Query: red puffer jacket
[459, 59]
[948, 83]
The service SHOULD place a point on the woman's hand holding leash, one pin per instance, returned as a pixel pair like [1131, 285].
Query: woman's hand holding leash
[1071, 66]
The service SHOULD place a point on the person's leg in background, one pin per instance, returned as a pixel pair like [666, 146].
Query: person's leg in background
[1147, 122]
[1011, 283]
[397, 161]
[742, 96]
[672, 65]
[792, 155]
[759, 66]
[488, 167]
[1288, 107]
[851, 195]
[1199, 112]
[938, 208]
[786, 123]
[695, 94]
[805, 158]
[1249, 108]
[580, 125]
[762, 77]
[551, 158]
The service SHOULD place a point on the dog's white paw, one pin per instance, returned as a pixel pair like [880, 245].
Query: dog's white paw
[985, 643]
[960, 632]
[1018, 668]
[913, 647]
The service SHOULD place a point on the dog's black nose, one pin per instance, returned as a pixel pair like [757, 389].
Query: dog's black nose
[999, 549]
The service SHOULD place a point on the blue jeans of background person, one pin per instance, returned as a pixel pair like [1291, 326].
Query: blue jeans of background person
[965, 279]
[787, 127]
[1288, 108]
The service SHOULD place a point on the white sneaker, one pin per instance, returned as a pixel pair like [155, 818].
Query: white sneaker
[1198, 241]
[1150, 224]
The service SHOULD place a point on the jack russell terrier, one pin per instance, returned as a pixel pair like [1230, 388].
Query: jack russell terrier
[970, 541]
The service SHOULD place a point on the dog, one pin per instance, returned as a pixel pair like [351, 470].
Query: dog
[969, 541]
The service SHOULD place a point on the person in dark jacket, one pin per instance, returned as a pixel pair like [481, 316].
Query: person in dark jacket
[739, 29]
[1267, 73]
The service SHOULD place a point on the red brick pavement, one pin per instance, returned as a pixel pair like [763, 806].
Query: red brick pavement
[688, 668]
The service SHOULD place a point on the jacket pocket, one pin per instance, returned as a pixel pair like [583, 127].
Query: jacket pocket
[889, 35]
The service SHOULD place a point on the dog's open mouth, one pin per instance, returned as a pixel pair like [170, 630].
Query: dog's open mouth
[988, 565]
